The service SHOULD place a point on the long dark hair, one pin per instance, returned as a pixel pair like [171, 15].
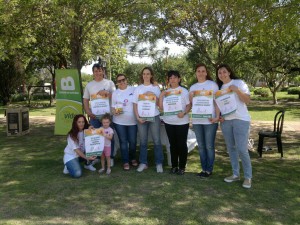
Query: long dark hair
[74, 130]
[208, 76]
[152, 73]
[231, 74]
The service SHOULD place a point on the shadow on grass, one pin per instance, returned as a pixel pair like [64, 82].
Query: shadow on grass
[35, 191]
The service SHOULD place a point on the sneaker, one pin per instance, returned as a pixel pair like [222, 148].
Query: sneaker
[247, 183]
[204, 174]
[90, 167]
[159, 168]
[101, 171]
[112, 162]
[142, 167]
[173, 170]
[231, 179]
[181, 172]
[108, 171]
[66, 171]
[201, 174]
[95, 162]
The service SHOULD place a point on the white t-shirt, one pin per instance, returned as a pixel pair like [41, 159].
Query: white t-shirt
[94, 86]
[208, 85]
[107, 142]
[242, 112]
[174, 119]
[72, 146]
[142, 89]
[124, 98]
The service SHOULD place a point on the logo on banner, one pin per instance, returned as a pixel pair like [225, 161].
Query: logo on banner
[67, 84]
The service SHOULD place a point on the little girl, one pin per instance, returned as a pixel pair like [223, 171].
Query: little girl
[108, 135]
[75, 147]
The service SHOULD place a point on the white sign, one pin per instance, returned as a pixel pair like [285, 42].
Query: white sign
[172, 102]
[100, 104]
[226, 101]
[94, 142]
[203, 104]
[146, 106]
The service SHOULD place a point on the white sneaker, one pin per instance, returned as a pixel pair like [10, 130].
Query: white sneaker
[66, 171]
[90, 167]
[231, 179]
[142, 167]
[159, 168]
[108, 171]
[247, 183]
[95, 162]
[111, 162]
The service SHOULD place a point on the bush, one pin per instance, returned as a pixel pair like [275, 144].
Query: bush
[19, 97]
[263, 92]
[294, 91]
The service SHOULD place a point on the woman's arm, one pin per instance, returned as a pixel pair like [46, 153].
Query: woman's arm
[243, 96]
[80, 153]
[137, 114]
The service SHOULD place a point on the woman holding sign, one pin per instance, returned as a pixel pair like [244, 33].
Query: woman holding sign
[204, 118]
[232, 100]
[176, 106]
[147, 114]
[125, 121]
[74, 150]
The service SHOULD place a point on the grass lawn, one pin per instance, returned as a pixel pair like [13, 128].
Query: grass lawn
[33, 189]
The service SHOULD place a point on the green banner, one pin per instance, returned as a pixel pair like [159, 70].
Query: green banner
[68, 99]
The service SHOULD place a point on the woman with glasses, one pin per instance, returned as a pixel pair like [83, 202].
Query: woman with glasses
[124, 121]
[176, 121]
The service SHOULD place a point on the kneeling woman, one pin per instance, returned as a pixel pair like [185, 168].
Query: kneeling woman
[177, 125]
[75, 147]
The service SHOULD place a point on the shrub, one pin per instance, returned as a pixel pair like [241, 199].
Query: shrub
[19, 97]
[263, 92]
[294, 91]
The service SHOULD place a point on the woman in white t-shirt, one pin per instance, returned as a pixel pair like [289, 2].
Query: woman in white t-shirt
[124, 121]
[75, 147]
[176, 119]
[146, 90]
[205, 125]
[235, 126]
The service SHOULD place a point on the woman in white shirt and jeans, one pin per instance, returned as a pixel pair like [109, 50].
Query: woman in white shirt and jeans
[75, 147]
[235, 126]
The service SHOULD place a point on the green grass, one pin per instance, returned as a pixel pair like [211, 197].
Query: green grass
[33, 189]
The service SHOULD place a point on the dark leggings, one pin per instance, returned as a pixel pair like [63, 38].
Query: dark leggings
[177, 135]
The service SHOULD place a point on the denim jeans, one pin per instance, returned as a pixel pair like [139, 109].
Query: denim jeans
[236, 133]
[154, 128]
[74, 168]
[206, 135]
[177, 135]
[127, 138]
[97, 124]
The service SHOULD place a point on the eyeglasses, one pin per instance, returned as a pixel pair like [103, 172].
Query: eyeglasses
[122, 80]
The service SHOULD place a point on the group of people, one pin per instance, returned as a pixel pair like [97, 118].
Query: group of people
[127, 122]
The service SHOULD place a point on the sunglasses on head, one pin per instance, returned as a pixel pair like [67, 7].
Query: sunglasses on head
[121, 80]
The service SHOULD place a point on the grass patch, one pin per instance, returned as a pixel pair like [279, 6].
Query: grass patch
[265, 111]
[33, 189]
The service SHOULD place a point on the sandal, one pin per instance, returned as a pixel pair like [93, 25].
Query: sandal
[134, 163]
[126, 166]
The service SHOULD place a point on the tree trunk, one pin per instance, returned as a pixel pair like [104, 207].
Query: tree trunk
[275, 102]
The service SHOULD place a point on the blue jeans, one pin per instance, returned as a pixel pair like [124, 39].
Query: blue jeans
[127, 138]
[206, 135]
[97, 124]
[154, 128]
[236, 133]
[74, 168]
